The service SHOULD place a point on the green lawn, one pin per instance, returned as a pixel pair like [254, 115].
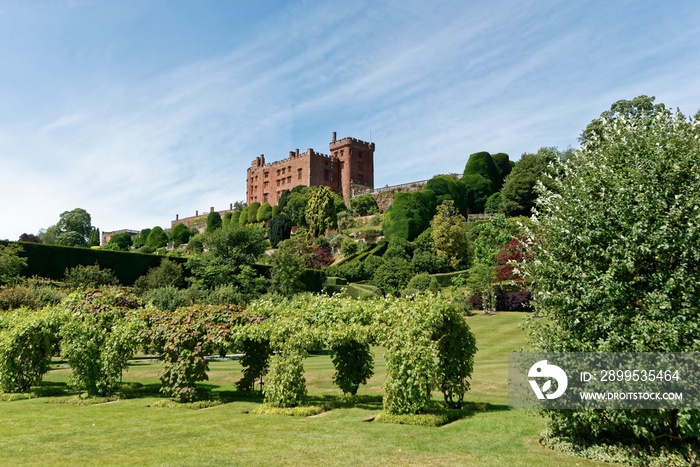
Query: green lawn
[43, 431]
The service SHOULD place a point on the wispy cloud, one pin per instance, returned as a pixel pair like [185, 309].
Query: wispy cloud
[433, 82]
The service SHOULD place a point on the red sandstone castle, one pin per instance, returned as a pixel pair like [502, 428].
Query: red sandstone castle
[348, 169]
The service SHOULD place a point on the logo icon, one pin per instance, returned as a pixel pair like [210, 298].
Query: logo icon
[542, 369]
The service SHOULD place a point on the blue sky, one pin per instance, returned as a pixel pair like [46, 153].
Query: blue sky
[137, 110]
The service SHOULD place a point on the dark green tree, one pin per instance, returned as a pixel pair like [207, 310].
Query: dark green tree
[123, 241]
[364, 205]
[157, 238]
[518, 194]
[448, 187]
[181, 234]
[279, 229]
[214, 221]
[641, 108]
[409, 214]
[393, 275]
[142, 238]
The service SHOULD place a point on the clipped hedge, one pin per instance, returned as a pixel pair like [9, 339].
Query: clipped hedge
[445, 279]
[51, 261]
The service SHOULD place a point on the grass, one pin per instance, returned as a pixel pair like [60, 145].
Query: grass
[142, 427]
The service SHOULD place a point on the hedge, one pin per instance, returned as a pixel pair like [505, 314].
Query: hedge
[313, 279]
[51, 261]
[445, 279]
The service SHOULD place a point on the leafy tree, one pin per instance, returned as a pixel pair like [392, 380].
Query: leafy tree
[425, 261]
[275, 211]
[236, 217]
[122, 241]
[618, 269]
[349, 247]
[287, 268]
[214, 221]
[481, 282]
[364, 205]
[11, 263]
[238, 206]
[237, 245]
[489, 237]
[283, 199]
[168, 273]
[409, 214]
[320, 211]
[423, 282]
[399, 248]
[94, 239]
[157, 238]
[78, 220]
[518, 194]
[493, 203]
[641, 109]
[30, 238]
[295, 207]
[393, 275]
[280, 228]
[264, 213]
[449, 232]
[253, 212]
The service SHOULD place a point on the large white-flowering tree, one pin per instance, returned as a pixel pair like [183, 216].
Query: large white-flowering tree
[616, 261]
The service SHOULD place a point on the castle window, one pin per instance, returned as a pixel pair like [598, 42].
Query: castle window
[299, 174]
[289, 169]
[359, 154]
[326, 174]
[278, 172]
[266, 174]
[289, 179]
[282, 171]
[264, 197]
[266, 185]
[360, 167]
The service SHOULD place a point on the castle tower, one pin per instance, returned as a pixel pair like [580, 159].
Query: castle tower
[355, 165]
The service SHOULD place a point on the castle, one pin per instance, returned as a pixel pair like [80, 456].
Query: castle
[348, 169]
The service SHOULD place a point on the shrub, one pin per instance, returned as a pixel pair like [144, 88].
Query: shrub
[11, 263]
[17, 296]
[89, 277]
[349, 247]
[226, 294]
[167, 298]
[393, 275]
[431, 263]
[27, 342]
[364, 205]
[424, 282]
[168, 273]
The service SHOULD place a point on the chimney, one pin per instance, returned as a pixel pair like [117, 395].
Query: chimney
[211, 209]
[177, 217]
[291, 154]
[334, 137]
[297, 152]
[196, 214]
[230, 207]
